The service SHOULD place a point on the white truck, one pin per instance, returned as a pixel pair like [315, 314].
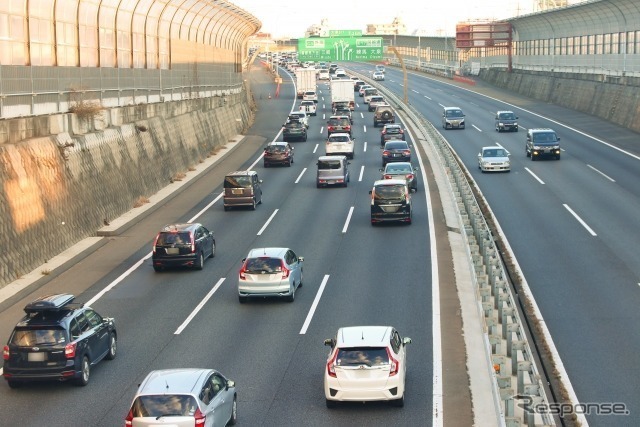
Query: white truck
[342, 92]
[305, 81]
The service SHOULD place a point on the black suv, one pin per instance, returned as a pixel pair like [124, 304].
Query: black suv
[542, 142]
[58, 340]
[294, 129]
[178, 245]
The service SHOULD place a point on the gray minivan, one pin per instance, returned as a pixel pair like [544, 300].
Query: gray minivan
[242, 188]
[332, 170]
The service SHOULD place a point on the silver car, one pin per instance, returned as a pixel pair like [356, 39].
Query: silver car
[270, 272]
[494, 159]
[184, 397]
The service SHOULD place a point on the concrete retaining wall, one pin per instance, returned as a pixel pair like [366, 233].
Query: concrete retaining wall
[616, 99]
[60, 189]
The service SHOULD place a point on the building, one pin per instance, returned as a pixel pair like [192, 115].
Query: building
[396, 27]
[319, 30]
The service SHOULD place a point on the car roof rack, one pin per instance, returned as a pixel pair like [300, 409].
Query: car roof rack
[57, 302]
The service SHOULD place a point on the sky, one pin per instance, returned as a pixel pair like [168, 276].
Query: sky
[291, 18]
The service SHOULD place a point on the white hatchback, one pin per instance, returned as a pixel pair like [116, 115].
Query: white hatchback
[340, 144]
[366, 363]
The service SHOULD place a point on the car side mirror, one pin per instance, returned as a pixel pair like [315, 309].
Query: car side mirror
[260, 181]
[479, 154]
[370, 191]
[243, 260]
[330, 342]
[300, 259]
[230, 384]
[406, 340]
[381, 170]
[557, 138]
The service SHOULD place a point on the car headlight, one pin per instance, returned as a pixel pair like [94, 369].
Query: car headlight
[500, 124]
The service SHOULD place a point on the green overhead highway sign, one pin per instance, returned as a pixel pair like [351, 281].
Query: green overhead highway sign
[340, 49]
[345, 33]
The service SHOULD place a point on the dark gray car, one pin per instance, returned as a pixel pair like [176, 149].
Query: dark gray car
[507, 121]
[242, 188]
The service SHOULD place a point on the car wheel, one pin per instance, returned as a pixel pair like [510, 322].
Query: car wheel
[213, 249]
[526, 152]
[345, 183]
[157, 268]
[14, 384]
[516, 129]
[301, 279]
[558, 157]
[289, 163]
[375, 124]
[85, 372]
[226, 208]
[533, 158]
[242, 299]
[253, 204]
[398, 403]
[292, 297]
[234, 412]
[113, 347]
[318, 185]
[415, 188]
[199, 264]
[331, 403]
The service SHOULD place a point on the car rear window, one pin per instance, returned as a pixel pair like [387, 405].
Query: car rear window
[180, 238]
[164, 405]
[263, 265]
[386, 192]
[41, 337]
[339, 122]
[339, 138]
[357, 356]
[276, 148]
[396, 145]
[328, 164]
[237, 182]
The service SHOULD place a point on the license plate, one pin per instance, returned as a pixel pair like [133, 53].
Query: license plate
[173, 251]
[331, 181]
[236, 191]
[546, 150]
[396, 155]
[36, 357]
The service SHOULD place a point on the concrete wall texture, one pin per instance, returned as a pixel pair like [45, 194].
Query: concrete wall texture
[59, 189]
[616, 99]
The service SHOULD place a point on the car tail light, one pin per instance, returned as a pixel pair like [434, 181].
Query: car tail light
[243, 271]
[193, 242]
[331, 364]
[6, 352]
[200, 417]
[70, 350]
[347, 128]
[387, 176]
[410, 176]
[384, 132]
[395, 365]
[155, 242]
[329, 128]
[129, 420]
[285, 270]
[386, 153]
[406, 152]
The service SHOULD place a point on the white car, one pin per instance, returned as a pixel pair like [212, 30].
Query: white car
[324, 75]
[378, 75]
[270, 272]
[308, 107]
[310, 95]
[340, 143]
[494, 159]
[301, 116]
[366, 363]
[363, 88]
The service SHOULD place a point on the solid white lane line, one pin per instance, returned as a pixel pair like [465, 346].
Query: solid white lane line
[316, 300]
[365, 146]
[584, 224]
[477, 128]
[361, 173]
[346, 223]
[315, 148]
[602, 173]
[199, 307]
[300, 176]
[206, 208]
[118, 280]
[534, 175]
[267, 223]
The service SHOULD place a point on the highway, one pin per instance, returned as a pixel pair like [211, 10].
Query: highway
[354, 274]
[573, 225]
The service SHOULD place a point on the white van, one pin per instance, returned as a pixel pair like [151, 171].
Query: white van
[324, 75]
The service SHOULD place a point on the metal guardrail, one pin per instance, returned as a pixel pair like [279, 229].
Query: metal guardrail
[515, 375]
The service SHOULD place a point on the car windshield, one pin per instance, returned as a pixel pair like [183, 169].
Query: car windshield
[544, 137]
[167, 405]
[454, 113]
[386, 192]
[42, 337]
[237, 182]
[507, 116]
[263, 264]
[328, 164]
[400, 145]
[495, 152]
[357, 356]
[182, 238]
[339, 138]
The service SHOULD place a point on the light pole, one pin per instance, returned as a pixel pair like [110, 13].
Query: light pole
[418, 51]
